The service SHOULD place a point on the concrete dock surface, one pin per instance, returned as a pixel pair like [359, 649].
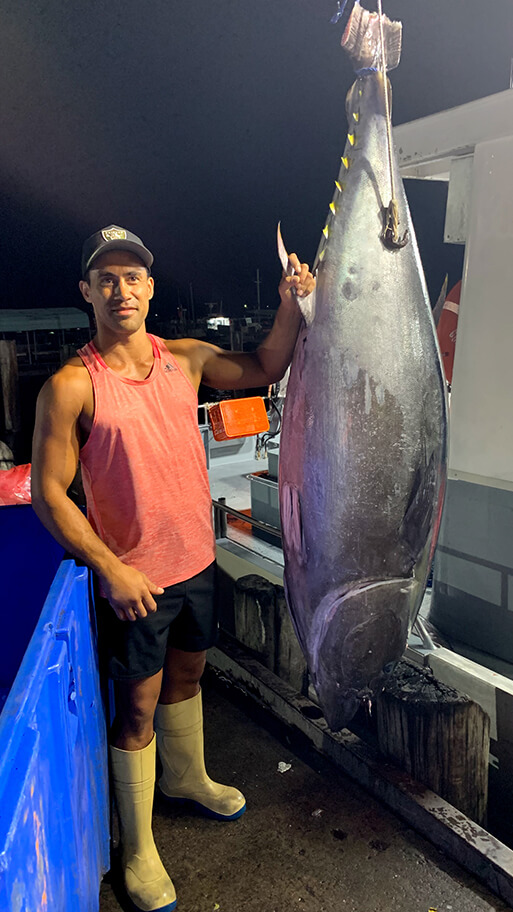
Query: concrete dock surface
[311, 840]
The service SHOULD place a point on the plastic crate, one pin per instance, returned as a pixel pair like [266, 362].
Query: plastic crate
[29, 558]
[238, 418]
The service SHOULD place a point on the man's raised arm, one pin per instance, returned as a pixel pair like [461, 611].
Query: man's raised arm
[239, 370]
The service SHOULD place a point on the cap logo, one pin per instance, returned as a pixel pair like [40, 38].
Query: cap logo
[114, 234]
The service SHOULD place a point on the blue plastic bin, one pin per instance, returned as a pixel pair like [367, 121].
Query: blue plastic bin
[54, 821]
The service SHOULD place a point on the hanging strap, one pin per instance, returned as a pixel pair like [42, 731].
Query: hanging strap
[391, 236]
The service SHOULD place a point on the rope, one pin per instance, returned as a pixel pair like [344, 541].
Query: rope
[387, 106]
[391, 234]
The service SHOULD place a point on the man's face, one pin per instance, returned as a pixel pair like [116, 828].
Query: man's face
[120, 291]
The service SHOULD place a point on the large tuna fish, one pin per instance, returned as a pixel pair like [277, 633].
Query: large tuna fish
[363, 442]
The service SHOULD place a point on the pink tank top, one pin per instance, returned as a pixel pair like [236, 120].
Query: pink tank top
[144, 469]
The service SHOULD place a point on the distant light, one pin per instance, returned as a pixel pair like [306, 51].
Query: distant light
[245, 305]
[215, 322]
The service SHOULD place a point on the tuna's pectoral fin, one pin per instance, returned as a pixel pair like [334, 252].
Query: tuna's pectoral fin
[292, 523]
[437, 309]
[418, 515]
[306, 305]
[353, 637]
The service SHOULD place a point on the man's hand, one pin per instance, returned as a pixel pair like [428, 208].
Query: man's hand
[301, 282]
[243, 370]
[130, 592]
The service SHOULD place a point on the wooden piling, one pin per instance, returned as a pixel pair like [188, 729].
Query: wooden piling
[254, 599]
[9, 410]
[290, 663]
[440, 736]
[263, 625]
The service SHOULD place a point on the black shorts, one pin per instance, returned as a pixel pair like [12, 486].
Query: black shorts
[186, 618]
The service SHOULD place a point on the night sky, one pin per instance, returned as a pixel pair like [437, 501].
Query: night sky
[198, 125]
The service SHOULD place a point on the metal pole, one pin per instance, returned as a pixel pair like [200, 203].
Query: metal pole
[220, 523]
[217, 514]
[427, 641]
[223, 521]
[221, 508]
[193, 315]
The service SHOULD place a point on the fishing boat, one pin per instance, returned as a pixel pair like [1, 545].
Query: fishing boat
[465, 630]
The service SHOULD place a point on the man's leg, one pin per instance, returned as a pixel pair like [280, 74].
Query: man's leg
[132, 728]
[182, 675]
[133, 776]
[179, 728]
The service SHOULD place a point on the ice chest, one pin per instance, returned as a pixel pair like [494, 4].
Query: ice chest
[54, 822]
[238, 418]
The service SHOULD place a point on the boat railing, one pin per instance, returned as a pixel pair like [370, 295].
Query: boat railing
[222, 511]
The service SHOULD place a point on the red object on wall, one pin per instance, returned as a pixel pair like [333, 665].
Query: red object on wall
[15, 485]
[447, 327]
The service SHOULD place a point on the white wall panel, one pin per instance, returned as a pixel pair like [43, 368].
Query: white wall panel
[482, 396]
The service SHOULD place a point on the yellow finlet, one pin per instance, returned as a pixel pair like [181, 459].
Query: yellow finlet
[345, 162]
[351, 137]
[322, 254]
[326, 231]
[356, 116]
[338, 186]
[333, 208]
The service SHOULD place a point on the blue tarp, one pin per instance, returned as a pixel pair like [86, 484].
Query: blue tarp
[54, 833]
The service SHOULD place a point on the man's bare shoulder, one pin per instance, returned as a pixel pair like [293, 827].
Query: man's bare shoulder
[70, 385]
[75, 361]
[195, 352]
[188, 346]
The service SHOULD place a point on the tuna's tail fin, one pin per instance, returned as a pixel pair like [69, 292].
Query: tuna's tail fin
[362, 40]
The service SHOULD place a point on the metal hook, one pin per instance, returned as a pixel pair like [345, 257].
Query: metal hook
[340, 11]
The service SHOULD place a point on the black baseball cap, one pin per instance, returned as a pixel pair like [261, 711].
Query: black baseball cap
[113, 238]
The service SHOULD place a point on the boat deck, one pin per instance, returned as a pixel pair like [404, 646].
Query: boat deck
[311, 838]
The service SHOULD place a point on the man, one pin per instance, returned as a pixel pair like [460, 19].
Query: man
[126, 407]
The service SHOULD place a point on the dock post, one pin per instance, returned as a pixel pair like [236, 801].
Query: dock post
[440, 736]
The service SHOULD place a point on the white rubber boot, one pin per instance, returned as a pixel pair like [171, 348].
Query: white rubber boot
[146, 880]
[179, 729]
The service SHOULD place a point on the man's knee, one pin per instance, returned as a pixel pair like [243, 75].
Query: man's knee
[135, 708]
[186, 667]
[182, 674]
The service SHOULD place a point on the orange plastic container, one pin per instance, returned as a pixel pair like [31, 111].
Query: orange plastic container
[238, 418]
